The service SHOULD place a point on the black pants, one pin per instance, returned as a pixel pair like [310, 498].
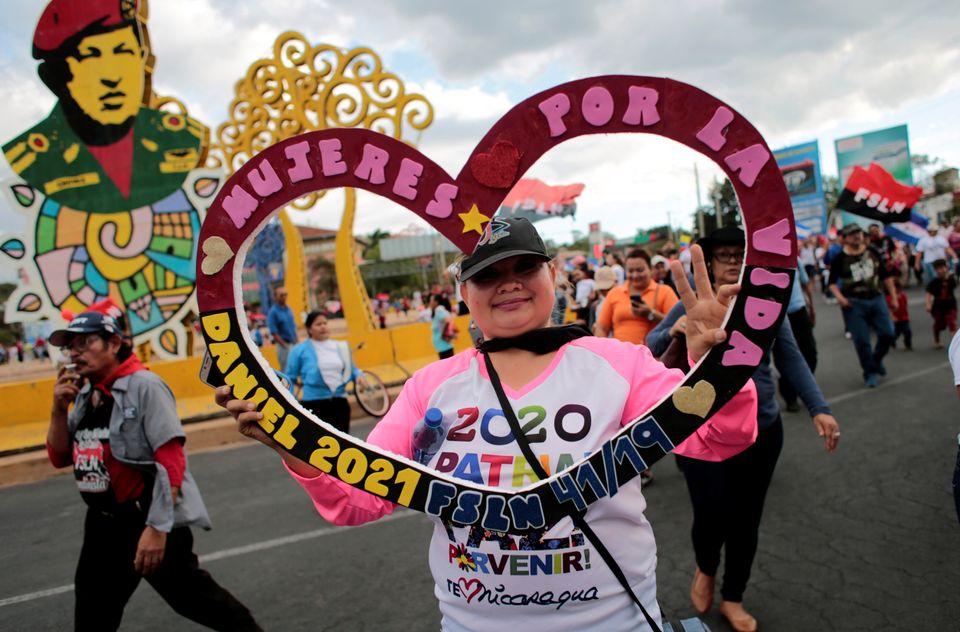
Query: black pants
[727, 501]
[956, 484]
[106, 579]
[902, 328]
[807, 343]
[335, 411]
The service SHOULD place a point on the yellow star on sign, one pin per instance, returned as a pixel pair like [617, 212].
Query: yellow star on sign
[474, 220]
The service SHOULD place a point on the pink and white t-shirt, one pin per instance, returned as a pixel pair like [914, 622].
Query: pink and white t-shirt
[553, 580]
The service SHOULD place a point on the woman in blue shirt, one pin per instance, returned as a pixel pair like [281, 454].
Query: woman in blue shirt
[441, 326]
[324, 367]
[728, 496]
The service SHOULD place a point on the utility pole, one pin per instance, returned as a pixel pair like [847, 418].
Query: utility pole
[716, 204]
[701, 228]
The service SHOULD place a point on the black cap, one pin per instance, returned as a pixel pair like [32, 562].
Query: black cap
[503, 238]
[728, 235]
[850, 229]
[86, 323]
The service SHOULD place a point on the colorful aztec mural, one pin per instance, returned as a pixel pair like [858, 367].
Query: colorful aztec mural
[109, 180]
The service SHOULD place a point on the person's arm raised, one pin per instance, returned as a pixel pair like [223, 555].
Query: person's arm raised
[705, 310]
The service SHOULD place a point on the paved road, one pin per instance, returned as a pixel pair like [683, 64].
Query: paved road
[865, 539]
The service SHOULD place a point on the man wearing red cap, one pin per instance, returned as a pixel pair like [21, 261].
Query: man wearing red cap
[125, 443]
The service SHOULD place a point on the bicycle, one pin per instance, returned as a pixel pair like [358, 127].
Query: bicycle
[370, 391]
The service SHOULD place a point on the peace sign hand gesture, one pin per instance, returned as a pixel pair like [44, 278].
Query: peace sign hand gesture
[705, 310]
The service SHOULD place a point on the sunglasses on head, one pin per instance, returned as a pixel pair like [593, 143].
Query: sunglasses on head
[522, 267]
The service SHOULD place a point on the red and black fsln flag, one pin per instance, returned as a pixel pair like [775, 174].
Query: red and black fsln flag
[874, 193]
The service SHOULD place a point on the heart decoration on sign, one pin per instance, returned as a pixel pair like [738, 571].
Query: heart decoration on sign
[696, 400]
[459, 208]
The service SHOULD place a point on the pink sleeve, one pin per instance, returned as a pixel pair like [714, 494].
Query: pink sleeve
[728, 432]
[343, 504]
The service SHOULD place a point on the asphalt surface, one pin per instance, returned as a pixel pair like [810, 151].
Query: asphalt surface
[864, 539]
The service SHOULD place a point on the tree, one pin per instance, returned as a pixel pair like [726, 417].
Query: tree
[725, 200]
[372, 252]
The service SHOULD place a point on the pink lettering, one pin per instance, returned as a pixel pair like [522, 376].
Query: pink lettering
[264, 179]
[239, 206]
[761, 313]
[442, 203]
[773, 238]
[406, 183]
[641, 106]
[554, 109]
[331, 160]
[712, 135]
[372, 164]
[742, 352]
[760, 276]
[748, 162]
[300, 170]
[597, 106]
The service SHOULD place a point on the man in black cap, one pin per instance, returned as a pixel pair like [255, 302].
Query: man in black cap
[857, 279]
[125, 443]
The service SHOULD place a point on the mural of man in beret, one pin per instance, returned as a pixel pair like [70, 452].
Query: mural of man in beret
[113, 183]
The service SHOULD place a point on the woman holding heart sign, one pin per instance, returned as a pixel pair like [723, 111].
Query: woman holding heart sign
[571, 392]
[728, 497]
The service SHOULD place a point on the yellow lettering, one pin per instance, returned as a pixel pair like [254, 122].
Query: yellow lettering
[522, 470]
[284, 435]
[259, 396]
[217, 326]
[240, 380]
[408, 477]
[271, 413]
[226, 354]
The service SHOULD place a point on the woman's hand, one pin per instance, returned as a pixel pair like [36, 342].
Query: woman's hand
[247, 416]
[248, 423]
[679, 328]
[705, 310]
[829, 429]
[641, 310]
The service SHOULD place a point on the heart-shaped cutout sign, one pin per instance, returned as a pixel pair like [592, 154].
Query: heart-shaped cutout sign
[695, 400]
[459, 208]
[216, 254]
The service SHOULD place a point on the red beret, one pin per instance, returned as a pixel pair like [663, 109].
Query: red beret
[62, 19]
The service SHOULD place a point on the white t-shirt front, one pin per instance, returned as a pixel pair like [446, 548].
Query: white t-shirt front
[933, 248]
[329, 361]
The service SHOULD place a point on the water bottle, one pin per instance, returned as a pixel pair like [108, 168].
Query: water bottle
[428, 436]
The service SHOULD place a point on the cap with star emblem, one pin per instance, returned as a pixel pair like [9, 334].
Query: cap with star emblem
[503, 238]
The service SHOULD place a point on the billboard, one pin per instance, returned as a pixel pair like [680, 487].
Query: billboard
[889, 148]
[800, 166]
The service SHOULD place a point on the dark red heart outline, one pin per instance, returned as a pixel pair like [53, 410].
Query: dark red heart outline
[667, 108]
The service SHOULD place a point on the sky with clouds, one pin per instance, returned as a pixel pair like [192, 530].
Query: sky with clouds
[799, 71]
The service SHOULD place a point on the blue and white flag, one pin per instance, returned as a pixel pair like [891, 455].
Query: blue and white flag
[908, 232]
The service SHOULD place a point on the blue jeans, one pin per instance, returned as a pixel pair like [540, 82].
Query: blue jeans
[864, 315]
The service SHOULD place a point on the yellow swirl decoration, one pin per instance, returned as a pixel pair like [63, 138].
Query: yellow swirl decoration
[306, 87]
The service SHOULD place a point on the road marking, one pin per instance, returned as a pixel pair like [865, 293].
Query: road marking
[227, 553]
[898, 380]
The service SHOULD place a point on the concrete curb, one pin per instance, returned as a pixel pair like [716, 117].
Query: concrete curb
[202, 436]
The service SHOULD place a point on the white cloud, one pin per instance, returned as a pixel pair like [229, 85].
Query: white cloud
[800, 70]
